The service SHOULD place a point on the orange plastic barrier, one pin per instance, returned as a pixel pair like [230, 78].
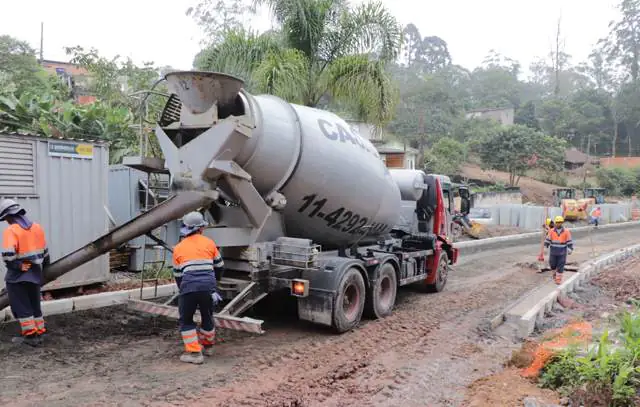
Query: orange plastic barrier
[572, 334]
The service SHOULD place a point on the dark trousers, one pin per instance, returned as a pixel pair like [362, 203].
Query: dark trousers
[24, 300]
[557, 262]
[187, 306]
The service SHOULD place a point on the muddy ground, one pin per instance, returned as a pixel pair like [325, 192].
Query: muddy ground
[426, 353]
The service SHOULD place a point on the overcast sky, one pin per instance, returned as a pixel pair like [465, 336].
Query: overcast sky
[148, 30]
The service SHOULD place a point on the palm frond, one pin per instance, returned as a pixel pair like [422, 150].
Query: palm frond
[363, 85]
[284, 73]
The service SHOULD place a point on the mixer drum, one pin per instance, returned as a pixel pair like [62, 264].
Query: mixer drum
[336, 185]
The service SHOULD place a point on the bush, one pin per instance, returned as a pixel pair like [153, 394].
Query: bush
[619, 181]
[605, 375]
[445, 157]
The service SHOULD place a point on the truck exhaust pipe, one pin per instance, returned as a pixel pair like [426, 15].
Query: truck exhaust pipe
[171, 209]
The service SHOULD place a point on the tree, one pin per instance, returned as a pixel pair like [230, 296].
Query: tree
[445, 157]
[623, 43]
[216, 18]
[519, 148]
[495, 84]
[526, 116]
[323, 49]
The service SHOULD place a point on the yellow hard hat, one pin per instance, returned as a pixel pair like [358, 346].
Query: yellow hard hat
[548, 222]
[558, 219]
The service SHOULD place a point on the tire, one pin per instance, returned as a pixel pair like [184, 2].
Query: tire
[443, 274]
[349, 304]
[381, 297]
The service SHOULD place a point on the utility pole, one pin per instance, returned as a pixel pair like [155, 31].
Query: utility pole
[41, 41]
[588, 163]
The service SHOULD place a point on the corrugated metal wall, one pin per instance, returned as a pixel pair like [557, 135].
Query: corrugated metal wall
[68, 200]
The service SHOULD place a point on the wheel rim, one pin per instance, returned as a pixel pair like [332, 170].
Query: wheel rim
[386, 293]
[444, 270]
[351, 301]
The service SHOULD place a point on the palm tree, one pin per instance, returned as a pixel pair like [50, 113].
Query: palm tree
[323, 52]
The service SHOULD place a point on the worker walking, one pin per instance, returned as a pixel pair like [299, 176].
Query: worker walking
[596, 214]
[196, 263]
[25, 253]
[560, 244]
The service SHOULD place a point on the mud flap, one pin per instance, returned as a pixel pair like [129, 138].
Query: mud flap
[323, 285]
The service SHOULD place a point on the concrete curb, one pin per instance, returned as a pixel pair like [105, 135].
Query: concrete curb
[91, 301]
[475, 246]
[532, 318]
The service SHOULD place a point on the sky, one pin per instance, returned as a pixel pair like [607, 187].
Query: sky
[148, 30]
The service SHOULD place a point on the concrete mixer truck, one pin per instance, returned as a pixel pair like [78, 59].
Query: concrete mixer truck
[297, 203]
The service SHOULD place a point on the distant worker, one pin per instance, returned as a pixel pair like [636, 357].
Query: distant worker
[196, 265]
[596, 214]
[25, 253]
[560, 244]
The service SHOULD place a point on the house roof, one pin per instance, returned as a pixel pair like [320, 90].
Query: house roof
[386, 149]
[575, 156]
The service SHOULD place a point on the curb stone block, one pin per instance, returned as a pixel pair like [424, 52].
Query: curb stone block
[99, 300]
[55, 307]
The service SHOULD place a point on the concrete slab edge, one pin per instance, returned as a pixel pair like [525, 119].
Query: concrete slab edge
[100, 300]
[474, 246]
[527, 324]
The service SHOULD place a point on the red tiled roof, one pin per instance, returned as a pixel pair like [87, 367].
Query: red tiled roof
[623, 162]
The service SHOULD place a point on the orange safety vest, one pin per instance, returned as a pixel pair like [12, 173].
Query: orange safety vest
[596, 213]
[559, 241]
[24, 251]
[194, 260]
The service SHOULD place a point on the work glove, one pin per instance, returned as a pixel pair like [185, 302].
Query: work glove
[216, 297]
[569, 251]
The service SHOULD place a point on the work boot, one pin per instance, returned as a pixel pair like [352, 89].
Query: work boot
[26, 340]
[192, 357]
[208, 350]
[557, 277]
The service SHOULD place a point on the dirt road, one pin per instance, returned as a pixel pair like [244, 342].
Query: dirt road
[424, 354]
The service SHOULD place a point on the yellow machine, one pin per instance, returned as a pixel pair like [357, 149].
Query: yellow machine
[572, 208]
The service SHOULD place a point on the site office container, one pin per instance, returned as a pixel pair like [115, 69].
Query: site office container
[62, 184]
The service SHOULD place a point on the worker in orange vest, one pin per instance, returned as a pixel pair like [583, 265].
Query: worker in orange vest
[596, 214]
[196, 264]
[560, 245]
[25, 253]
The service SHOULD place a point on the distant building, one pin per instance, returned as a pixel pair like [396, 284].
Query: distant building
[574, 158]
[503, 116]
[76, 77]
[366, 131]
[395, 155]
[620, 162]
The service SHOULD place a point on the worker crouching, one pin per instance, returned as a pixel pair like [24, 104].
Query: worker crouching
[25, 253]
[560, 245]
[196, 263]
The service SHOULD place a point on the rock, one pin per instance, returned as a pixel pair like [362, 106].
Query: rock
[565, 401]
[532, 402]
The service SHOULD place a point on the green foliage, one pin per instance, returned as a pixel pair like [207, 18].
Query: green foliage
[517, 149]
[322, 50]
[605, 375]
[619, 181]
[445, 157]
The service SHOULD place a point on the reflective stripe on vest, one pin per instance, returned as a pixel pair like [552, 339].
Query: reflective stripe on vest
[195, 253]
[559, 240]
[24, 245]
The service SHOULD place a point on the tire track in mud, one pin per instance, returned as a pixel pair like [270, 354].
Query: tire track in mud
[376, 360]
[349, 368]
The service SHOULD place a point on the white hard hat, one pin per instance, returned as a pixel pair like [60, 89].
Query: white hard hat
[192, 221]
[10, 207]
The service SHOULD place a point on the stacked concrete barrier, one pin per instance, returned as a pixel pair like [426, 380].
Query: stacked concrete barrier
[532, 238]
[531, 217]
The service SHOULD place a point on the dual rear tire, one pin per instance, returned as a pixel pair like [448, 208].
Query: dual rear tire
[354, 299]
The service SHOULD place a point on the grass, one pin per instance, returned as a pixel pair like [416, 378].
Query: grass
[607, 375]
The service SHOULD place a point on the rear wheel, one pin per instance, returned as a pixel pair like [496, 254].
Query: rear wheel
[442, 274]
[349, 304]
[381, 297]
